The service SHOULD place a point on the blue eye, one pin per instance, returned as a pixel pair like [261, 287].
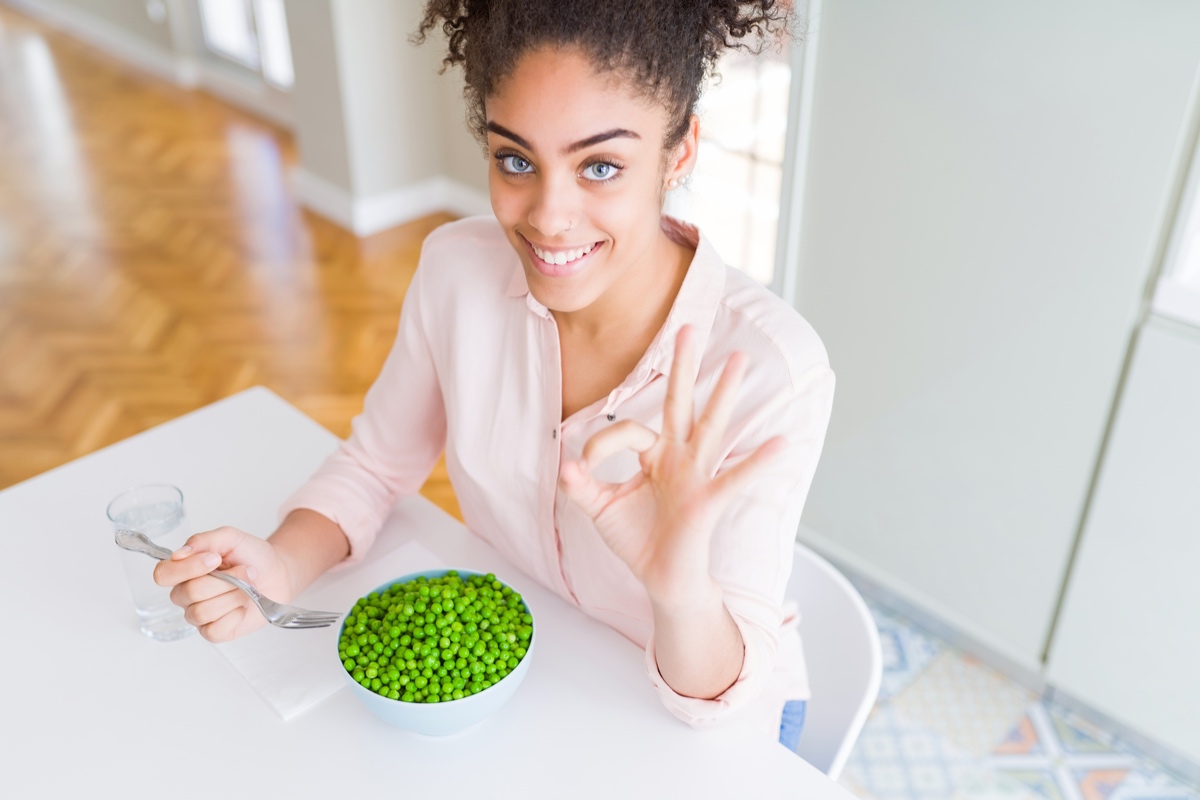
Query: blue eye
[515, 165]
[601, 171]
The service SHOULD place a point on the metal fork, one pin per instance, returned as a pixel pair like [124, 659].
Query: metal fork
[278, 614]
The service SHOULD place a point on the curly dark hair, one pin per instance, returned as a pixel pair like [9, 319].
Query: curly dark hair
[669, 47]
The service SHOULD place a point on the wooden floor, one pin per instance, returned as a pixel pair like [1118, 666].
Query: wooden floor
[153, 260]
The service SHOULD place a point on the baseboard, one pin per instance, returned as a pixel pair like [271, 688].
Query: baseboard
[367, 215]
[113, 40]
[938, 619]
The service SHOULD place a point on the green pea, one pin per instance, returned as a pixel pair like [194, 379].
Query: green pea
[435, 639]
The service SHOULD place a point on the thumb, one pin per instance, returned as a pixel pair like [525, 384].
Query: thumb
[583, 489]
[223, 541]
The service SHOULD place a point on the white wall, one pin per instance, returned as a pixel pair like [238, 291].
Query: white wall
[389, 95]
[400, 121]
[318, 121]
[985, 185]
[463, 158]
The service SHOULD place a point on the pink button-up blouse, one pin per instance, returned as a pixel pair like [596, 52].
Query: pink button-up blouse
[476, 371]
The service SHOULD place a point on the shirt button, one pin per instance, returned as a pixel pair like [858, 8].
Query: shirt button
[554, 434]
[611, 417]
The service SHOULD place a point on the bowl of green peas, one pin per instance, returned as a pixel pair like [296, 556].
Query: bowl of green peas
[437, 652]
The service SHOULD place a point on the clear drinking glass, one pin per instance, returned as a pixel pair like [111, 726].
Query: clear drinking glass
[156, 511]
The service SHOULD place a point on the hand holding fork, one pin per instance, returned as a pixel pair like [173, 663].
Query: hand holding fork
[278, 614]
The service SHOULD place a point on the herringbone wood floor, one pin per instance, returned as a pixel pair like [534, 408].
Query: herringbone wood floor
[153, 260]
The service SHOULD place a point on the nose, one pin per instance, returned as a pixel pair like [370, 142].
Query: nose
[554, 206]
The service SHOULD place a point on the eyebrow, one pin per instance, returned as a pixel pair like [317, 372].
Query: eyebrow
[615, 133]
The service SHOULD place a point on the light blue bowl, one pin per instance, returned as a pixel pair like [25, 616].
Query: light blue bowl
[452, 716]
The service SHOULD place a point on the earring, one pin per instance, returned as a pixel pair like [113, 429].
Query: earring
[673, 183]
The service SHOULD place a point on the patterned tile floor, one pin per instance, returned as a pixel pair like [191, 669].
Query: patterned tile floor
[948, 727]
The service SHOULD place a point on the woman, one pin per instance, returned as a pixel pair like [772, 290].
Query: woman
[558, 354]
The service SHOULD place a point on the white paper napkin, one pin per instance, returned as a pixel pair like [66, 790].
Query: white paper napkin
[293, 670]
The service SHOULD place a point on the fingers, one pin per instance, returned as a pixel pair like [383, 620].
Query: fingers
[227, 627]
[583, 489]
[185, 566]
[201, 553]
[212, 609]
[199, 589]
[624, 435]
[710, 428]
[734, 479]
[576, 477]
[217, 609]
[678, 409]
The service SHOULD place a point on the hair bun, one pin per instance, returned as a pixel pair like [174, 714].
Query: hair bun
[668, 47]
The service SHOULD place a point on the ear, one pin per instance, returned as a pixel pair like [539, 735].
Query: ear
[683, 159]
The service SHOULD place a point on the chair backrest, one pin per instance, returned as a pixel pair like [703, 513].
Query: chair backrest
[842, 652]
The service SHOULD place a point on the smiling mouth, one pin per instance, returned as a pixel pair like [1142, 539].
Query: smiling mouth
[562, 257]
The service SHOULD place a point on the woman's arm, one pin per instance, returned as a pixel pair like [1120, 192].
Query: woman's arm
[337, 513]
[699, 648]
[661, 521]
[308, 544]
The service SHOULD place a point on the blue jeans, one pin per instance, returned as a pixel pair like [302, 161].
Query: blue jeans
[791, 723]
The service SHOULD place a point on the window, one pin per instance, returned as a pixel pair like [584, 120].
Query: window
[734, 193]
[253, 34]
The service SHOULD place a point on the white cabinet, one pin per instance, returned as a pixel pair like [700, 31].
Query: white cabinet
[1128, 640]
[984, 183]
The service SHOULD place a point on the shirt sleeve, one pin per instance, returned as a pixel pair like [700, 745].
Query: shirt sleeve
[394, 442]
[752, 548]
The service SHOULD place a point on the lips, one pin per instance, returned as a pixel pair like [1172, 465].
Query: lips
[552, 269]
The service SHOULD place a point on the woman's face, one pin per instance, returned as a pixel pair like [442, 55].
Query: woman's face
[577, 176]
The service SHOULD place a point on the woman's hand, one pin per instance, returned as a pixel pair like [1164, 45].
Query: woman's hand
[660, 522]
[219, 610]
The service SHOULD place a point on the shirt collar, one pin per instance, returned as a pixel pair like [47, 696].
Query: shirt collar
[695, 304]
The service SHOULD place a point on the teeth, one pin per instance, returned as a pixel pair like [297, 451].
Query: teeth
[562, 256]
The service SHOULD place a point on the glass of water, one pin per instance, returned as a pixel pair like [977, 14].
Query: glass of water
[156, 511]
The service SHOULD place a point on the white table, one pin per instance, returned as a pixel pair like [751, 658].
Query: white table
[90, 707]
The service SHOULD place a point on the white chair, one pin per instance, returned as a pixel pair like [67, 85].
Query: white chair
[841, 648]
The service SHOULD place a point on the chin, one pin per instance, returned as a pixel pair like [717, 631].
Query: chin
[559, 297]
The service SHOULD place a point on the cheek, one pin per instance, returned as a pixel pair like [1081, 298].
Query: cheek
[631, 215]
[506, 200]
